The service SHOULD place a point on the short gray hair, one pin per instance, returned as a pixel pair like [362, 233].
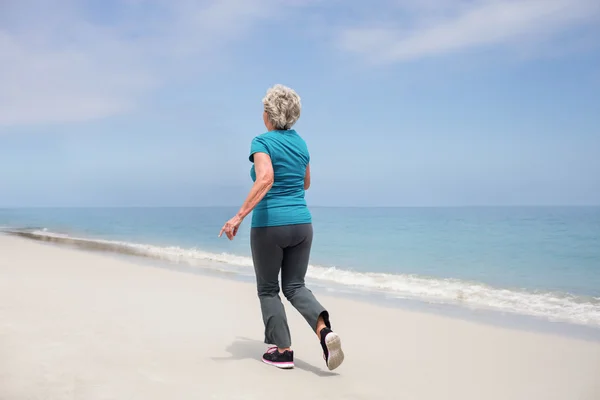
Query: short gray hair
[283, 106]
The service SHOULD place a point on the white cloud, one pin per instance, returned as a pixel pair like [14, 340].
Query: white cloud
[59, 64]
[41, 83]
[443, 26]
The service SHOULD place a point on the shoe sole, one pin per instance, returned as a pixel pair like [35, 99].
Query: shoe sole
[286, 365]
[334, 347]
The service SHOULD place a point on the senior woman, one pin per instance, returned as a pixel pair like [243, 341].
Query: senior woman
[281, 232]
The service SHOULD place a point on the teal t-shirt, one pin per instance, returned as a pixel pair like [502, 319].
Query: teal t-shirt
[284, 204]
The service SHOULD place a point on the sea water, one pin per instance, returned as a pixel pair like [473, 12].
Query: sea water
[542, 262]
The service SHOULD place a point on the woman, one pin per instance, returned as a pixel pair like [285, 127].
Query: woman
[281, 232]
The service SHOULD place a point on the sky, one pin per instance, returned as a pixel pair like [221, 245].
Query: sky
[405, 102]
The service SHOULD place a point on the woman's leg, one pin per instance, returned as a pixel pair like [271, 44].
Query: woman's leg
[267, 256]
[293, 272]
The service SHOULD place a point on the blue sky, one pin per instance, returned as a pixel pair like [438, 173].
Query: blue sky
[405, 102]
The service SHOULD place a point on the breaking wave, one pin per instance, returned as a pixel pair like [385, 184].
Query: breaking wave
[555, 306]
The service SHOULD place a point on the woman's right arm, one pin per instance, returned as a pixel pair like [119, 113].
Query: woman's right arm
[307, 177]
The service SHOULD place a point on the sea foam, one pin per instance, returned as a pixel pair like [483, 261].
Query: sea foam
[554, 306]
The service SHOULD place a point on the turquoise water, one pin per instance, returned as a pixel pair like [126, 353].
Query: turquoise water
[542, 262]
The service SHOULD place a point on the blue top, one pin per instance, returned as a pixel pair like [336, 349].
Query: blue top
[284, 204]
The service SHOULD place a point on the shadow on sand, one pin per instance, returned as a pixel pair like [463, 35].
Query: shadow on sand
[244, 348]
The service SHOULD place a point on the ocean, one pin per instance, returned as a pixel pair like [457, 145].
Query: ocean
[538, 262]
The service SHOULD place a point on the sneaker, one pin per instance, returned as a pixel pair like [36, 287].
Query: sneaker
[332, 348]
[283, 360]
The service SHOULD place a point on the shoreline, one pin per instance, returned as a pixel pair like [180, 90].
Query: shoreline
[487, 316]
[84, 325]
[492, 318]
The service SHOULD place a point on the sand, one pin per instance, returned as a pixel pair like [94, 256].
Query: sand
[81, 325]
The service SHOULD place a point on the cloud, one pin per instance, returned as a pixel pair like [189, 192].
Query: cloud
[42, 83]
[79, 60]
[67, 61]
[444, 26]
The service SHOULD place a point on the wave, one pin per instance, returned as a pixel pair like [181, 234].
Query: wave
[554, 306]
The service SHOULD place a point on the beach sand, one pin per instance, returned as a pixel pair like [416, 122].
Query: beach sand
[81, 325]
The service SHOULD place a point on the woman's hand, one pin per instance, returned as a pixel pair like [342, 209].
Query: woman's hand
[231, 227]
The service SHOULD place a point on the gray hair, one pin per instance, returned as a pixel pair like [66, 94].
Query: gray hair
[283, 106]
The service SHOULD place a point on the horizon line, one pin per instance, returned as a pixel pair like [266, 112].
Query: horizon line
[310, 206]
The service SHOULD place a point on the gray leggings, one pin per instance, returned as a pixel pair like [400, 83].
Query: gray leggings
[286, 249]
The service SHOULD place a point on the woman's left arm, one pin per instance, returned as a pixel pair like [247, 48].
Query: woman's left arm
[263, 183]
